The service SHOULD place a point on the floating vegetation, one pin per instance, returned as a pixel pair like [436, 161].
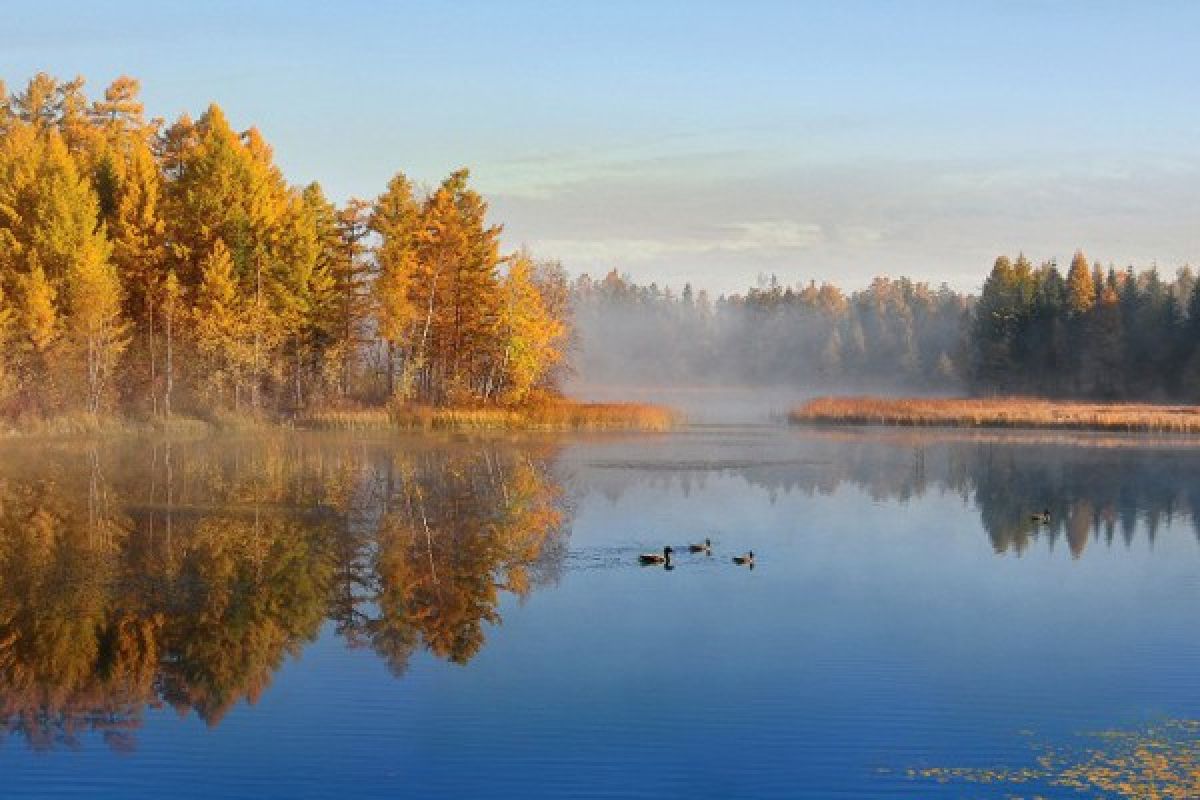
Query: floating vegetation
[1160, 761]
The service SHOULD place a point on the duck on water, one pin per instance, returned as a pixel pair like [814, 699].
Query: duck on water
[664, 557]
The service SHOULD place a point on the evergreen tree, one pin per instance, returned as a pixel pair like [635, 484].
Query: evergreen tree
[1103, 358]
[1189, 378]
[996, 318]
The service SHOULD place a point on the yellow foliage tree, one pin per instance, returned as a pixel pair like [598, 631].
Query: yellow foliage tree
[1081, 289]
[117, 232]
[220, 327]
[533, 337]
[97, 331]
[396, 219]
[39, 319]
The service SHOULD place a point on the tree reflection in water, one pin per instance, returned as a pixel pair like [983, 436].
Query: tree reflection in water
[1096, 487]
[185, 575]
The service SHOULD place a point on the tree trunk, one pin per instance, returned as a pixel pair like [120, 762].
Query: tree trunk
[258, 323]
[299, 394]
[150, 349]
[170, 367]
[391, 370]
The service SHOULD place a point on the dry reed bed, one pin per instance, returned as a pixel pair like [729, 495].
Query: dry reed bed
[556, 416]
[998, 412]
[84, 425]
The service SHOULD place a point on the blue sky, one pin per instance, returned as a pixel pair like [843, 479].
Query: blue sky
[702, 141]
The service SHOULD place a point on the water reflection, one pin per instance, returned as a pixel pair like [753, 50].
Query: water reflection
[1096, 488]
[185, 575]
[1095, 491]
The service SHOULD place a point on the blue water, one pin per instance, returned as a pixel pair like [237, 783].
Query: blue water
[903, 613]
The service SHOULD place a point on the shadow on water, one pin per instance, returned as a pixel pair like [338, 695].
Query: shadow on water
[184, 575]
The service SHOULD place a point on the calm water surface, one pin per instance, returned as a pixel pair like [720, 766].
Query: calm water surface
[315, 617]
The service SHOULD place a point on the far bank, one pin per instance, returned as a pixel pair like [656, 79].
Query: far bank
[998, 412]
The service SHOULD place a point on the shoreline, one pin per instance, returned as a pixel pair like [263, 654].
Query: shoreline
[1012, 413]
[559, 416]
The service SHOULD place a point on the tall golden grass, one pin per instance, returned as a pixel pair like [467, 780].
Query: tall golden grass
[998, 412]
[546, 415]
[84, 425]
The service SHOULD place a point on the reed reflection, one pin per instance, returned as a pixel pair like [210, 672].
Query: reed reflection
[185, 575]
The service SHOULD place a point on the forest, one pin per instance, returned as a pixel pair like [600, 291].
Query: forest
[1097, 333]
[149, 268]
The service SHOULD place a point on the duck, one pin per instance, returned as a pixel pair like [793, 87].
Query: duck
[1042, 517]
[701, 548]
[746, 560]
[656, 558]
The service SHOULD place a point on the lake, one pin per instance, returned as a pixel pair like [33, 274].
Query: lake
[419, 617]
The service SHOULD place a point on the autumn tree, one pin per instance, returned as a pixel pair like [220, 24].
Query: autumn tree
[396, 220]
[94, 323]
[1081, 288]
[352, 273]
[42, 328]
[221, 327]
[457, 289]
[532, 337]
[137, 227]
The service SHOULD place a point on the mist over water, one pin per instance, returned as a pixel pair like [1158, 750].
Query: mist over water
[773, 346]
[703, 405]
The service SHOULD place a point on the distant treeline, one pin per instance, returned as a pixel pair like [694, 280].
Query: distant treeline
[894, 333]
[147, 266]
[1095, 333]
